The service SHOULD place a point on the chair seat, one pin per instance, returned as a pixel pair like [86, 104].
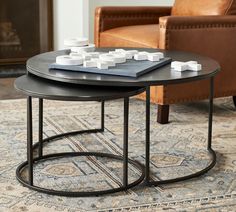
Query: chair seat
[146, 36]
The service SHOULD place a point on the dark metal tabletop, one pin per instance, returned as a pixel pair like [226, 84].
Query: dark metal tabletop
[39, 64]
[47, 89]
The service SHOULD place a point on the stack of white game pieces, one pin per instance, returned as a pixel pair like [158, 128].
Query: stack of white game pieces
[186, 66]
[83, 53]
[79, 45]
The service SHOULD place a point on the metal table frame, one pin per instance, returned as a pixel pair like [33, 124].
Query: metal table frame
[148, 180]
[39, 145]
[31, 160]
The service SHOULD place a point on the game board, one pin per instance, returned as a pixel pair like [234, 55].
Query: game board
[131, 68]
[128, 63]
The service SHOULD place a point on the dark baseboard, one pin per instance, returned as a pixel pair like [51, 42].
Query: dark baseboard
[11, 71]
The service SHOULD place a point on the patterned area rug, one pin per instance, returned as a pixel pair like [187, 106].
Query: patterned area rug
[177, 149]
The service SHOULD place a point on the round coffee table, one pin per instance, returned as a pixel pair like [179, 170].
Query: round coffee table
[40, 88]
[38, 66]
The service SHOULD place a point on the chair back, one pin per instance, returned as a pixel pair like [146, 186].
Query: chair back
[204, 7]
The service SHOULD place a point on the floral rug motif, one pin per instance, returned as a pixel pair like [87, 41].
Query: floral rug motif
[178, 149]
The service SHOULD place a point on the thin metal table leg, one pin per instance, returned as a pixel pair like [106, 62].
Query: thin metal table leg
[210, 119]
[102, 115]
[210, 150]
[30, 139]
[147, 155]
[40, 148]
[125, 145]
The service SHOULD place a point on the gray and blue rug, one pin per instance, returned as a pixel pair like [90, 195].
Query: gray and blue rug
[177, 149]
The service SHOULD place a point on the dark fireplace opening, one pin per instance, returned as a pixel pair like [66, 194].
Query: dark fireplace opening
[25, 30]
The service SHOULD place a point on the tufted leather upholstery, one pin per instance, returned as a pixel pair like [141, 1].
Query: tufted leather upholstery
[206, 30]
[204, 7]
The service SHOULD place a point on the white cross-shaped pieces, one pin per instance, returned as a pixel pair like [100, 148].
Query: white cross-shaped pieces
[80, 55]
[186, 66]
[154, 57]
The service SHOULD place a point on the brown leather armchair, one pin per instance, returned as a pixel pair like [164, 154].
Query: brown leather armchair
[207, 27]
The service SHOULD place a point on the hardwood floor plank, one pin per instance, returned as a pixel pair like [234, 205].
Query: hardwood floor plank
[7, 90]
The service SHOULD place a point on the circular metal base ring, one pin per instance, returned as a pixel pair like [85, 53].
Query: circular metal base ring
[136, 164]
[188, 177]
[67, 134]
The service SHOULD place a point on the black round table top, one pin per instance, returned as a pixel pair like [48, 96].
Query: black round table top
[38, 66]
[46, 89]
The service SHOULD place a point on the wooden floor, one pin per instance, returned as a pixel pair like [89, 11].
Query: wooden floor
[7, 90]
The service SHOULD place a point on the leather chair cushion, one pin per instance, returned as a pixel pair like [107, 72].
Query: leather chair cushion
[204, 7]
[131, 36]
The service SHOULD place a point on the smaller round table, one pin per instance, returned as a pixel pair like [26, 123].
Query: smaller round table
[33, 86]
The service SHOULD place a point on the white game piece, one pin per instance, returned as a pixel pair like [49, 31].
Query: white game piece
[76, 42]
[85, 56]
[120, 50]
[144, 52]
[109, 61]
[73, 54]
[181, 67]
[192, 62]
[175, 63]
[107, 57]
[94, 54]
[160, 54]
[132, 52]
[102, 65]
[81, 49]
[195, 67]
[112, 52]
[117, 57]
[126, 54]
[153, 57]
[68, 60]
[186, 66]
[90, 64]
[141, 56]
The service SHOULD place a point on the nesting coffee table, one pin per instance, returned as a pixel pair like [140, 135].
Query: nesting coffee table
[42, 83]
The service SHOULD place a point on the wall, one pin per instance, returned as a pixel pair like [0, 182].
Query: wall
[75, 18]
[68, 20]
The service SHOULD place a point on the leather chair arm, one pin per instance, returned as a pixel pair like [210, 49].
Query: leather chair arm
[111, 17]
[212, 36]
[191, 32]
